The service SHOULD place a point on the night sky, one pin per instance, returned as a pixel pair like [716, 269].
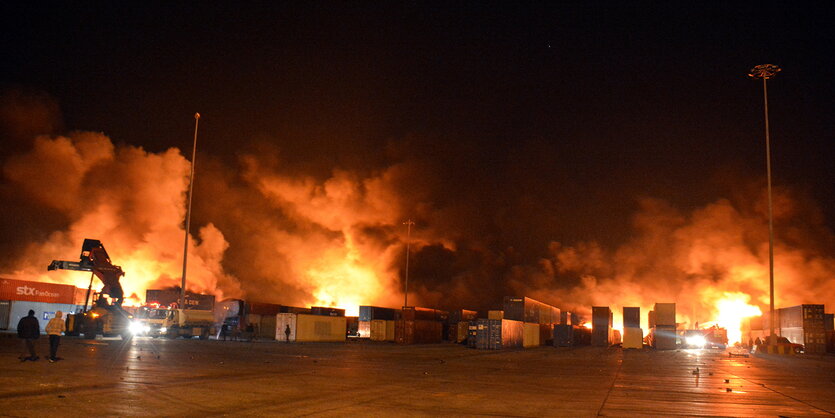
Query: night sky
[531, 123]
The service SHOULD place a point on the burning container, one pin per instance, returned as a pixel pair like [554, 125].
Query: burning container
[804, 324]
[601, 334]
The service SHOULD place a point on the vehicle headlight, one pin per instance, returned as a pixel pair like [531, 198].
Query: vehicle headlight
[696, 341]
[163, 330]
[136, 327]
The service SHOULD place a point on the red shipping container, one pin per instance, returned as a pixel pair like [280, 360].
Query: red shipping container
[11, 289]
[418, 332]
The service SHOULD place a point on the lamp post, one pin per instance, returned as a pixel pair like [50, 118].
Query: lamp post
[764, 72]
[408, 224]
[188, 214]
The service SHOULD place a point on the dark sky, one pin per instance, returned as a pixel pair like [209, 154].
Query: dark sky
[561, 112]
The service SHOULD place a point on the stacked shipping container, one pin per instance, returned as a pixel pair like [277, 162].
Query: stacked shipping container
[633, 335]
[17, 297]
[370, 313]
[540, 316]
[804, 324]
[663, 317]
[601, 332]
[419, 325]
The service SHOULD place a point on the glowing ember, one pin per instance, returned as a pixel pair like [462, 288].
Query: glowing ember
[733, 308]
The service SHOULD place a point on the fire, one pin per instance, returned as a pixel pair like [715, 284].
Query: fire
[587, 325]
[732, 309]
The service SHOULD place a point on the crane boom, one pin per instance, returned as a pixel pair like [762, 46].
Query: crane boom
[94, 258]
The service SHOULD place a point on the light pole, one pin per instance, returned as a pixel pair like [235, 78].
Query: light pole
[408, 224]
[764, 72]
[188, 214]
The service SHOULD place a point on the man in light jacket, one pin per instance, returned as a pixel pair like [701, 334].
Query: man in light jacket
[54, 328]
[29, 330]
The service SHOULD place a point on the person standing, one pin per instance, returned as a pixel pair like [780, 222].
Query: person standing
[54, 329]
[29, 330]
[287, 333]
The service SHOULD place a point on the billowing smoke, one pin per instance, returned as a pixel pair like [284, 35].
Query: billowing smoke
[273, 230]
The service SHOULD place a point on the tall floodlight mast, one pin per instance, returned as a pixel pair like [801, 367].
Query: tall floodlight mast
[764, 72]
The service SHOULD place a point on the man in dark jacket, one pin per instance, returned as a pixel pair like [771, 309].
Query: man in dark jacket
[29, 329]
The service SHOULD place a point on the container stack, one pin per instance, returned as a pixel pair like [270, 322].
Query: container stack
[664, 332]
[601, 333]
[419, 325]
[804, 324]
[633, 335]
[539, 319]
[497, 334]
[456, 328]
[829, 329]
[372, 313]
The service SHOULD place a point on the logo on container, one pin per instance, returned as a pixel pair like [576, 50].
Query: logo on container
[31, 291]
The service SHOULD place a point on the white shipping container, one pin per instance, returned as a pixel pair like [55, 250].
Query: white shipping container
[282, 321]
[43, 311]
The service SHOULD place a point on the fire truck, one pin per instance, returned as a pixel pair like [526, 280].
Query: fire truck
[106, 316]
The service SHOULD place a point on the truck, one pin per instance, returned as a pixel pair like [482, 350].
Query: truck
[187, 323]
[106, 316]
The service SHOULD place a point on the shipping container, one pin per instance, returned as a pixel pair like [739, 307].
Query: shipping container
[631, 317]
[390, 330]
[171, 298]
[651, 319]
[633, 337]
[364, 329]
[412, 313]
[266, 327]
[829, 322]
[44, 311]
[804, 324]
[22, 290]
[529, 310]
[546, 334]
[320, 328]
[369, 313]
[665, 314]
[259, 308]
[378, 330]
[830, 341]
[563, 335]
[326, 311]
[461, 334]
[283, 322]
[5, 312]
[418, 331]
[472, 334]
[462, 315]
[664, 337]
[530, 335]
[495, 314]
[601, 334]
[497, 334]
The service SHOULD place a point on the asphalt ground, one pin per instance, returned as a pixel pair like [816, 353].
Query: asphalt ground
[159, 377]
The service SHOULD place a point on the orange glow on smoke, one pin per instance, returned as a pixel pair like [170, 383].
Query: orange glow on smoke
[732, 309]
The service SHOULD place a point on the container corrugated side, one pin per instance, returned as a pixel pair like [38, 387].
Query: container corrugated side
[389, 330]
[563, 335]
[320, 328]
[495, 314]
[601, 316]
[266, 328]
[378, 330]
[364, 329]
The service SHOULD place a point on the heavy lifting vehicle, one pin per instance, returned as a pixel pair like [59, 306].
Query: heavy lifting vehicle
[105, 317]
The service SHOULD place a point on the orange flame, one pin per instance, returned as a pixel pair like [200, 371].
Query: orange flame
[732, 309]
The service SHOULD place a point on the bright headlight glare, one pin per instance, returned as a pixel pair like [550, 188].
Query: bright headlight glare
[136, 327]
[163, 330]
[696, 341]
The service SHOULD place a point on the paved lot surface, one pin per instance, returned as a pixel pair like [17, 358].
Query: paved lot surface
[152, 377]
